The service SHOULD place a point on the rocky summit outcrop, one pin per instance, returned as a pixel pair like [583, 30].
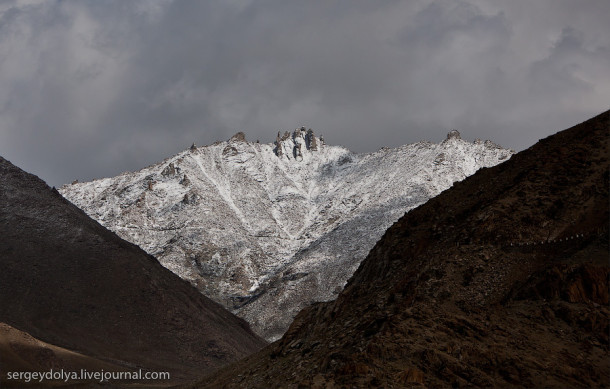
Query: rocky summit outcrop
[295, 144]
[267, 229]
[500, 281]
[238, 137]
[454, 134]
[68, 281]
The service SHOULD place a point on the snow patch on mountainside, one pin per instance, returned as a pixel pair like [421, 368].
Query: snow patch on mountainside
[266, 229]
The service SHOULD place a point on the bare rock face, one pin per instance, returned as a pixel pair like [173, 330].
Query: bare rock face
[290, 221]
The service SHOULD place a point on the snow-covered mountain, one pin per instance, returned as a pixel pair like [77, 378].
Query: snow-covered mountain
[266, 229]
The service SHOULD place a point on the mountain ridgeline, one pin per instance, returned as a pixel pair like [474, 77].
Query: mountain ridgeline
[268, 229]
[500, 281]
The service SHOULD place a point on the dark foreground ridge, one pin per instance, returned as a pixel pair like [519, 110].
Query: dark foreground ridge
[67, 281]
[456, 293]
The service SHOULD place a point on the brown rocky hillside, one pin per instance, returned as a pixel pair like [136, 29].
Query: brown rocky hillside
[67, 281]
[500, 281]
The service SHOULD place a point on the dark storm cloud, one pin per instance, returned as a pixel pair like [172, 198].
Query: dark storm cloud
[90, 89]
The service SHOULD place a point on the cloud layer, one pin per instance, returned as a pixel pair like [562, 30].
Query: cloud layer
[90, 89]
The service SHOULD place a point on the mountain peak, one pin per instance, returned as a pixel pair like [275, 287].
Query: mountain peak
[254, 224]
[454, 134]
[238, 137]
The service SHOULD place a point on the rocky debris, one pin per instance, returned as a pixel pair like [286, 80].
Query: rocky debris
[443, 301]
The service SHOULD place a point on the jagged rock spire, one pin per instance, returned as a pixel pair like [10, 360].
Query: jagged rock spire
[310, 140]
[298, 154]
[278, 145]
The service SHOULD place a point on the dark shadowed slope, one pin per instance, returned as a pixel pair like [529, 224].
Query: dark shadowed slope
[499, 281]
[68, 281]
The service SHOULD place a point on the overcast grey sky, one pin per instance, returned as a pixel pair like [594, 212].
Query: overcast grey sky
[89, 89]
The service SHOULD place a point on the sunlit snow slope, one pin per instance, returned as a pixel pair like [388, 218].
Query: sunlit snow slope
[266, 229]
